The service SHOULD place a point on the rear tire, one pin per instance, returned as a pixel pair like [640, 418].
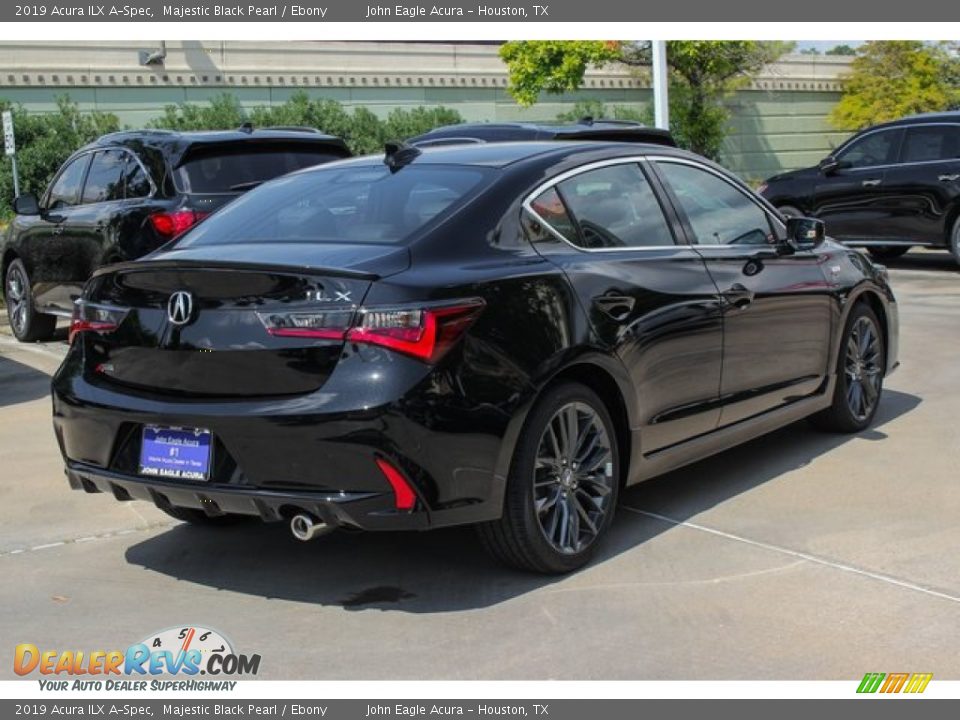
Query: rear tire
[790, 211]
[200, 518]
[563, 485]
[888, 252]
[27, 324]
[860, 368]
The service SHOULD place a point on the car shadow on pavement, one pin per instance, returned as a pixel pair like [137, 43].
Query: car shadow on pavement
[933, 260]
[21, 383]
[446, 570]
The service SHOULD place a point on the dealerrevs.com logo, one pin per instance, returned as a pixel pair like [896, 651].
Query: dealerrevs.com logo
[184, 651]
[889, 683]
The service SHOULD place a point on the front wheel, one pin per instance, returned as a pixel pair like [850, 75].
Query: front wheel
[27, 324]
[860, 372]
[563, 485]
[955, 241]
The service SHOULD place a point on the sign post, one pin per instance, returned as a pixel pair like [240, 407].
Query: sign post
[10, 148]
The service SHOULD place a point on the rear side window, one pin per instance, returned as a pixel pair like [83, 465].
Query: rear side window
[934, 142]
[105, 178]
[552, 211]
[615, 207]
[136, 184]
[230, 170]
[65, 190]
[365, 204]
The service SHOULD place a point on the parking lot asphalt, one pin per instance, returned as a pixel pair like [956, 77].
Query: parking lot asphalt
[798, 556]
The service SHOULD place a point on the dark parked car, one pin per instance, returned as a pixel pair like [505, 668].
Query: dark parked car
[888, 188]
[126, 194]
[500, 334]
[586, 129]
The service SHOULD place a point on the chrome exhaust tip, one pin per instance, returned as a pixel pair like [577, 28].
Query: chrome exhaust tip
[306, 527]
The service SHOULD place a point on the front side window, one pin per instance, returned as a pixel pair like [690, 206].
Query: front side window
[65, 191]
[718, 212]
[876, 148]
[615, 207]
[933, 142]
[105, 179]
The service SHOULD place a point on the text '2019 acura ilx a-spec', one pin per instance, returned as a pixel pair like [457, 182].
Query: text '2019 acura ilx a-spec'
[503, 335]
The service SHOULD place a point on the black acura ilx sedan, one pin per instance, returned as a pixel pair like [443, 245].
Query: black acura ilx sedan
[503, 335]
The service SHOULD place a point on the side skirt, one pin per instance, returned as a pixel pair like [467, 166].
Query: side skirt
[698, 448]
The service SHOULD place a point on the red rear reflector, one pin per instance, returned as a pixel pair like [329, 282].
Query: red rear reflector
[404, 497]
[170, 224]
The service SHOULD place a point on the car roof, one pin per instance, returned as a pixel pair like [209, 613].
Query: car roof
[505, 154]
[951, 116]
[585, 129]
[176, 145]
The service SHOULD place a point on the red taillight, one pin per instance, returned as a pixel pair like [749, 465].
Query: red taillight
[90, 317]
[424, 333]
[404, 498]
[170, 224]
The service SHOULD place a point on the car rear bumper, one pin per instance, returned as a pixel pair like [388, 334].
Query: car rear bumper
[273, 458]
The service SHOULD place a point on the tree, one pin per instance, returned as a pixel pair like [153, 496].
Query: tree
[702, 72]
[841, 50]
[597, 110]
[893, 78]
[809, 51]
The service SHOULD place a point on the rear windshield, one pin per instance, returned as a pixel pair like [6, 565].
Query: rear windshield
[225, 170]
[366, 204]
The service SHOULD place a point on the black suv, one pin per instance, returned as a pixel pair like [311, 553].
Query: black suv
[889, 188]
[125, 195]
[585, 129]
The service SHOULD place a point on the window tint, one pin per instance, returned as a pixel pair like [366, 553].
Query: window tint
[879, 148]
[358, 204]
[934, 142]
[615, 207]
[551, 210]
[225, 169]
[66, 188]
[718, 212]
[105, 179]
[135, 181]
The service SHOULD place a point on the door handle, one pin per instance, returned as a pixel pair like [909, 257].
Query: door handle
[950, 178]
[617, 307]
[871, 183]
[737, 296]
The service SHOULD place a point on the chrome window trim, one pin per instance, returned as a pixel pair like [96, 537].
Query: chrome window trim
[750, 195]
[527, 205]
[91, 151]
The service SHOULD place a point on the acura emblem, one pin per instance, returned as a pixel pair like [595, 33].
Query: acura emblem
[180, 307]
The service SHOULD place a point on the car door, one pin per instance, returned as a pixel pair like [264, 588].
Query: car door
[777, 310]
[923, 187]
[850, 198]
[45, 244]
[649, 299]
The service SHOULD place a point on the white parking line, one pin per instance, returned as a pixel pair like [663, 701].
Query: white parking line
[797, 554]
[88, 538]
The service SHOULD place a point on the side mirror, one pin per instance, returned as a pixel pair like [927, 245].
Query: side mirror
[828, 165]
[805, 233]
[26, 204]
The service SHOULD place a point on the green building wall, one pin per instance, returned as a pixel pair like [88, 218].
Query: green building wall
[770, 131]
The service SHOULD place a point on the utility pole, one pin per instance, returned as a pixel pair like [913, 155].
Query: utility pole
[661, 103]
